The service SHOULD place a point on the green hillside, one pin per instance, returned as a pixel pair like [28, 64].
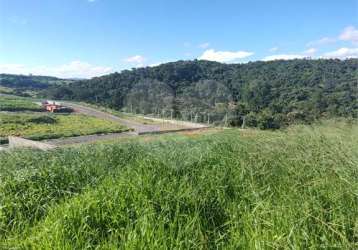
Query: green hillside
[234, 189]
[268, 94]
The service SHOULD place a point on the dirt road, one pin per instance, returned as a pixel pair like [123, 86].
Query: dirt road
[138, 127]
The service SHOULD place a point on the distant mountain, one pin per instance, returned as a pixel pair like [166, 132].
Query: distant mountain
[30, 81]
[23, 84]
[265, 94]
[76, 78]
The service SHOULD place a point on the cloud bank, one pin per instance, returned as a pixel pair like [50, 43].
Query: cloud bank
[283, 57]
[224, 56]
[342, 53]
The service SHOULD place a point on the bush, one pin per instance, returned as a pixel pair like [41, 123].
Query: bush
[251, 120]
[46, 119]
[266, 120]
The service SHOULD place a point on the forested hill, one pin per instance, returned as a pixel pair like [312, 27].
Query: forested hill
[267, 94]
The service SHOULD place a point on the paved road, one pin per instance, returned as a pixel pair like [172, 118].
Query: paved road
[138, 127]
[88, 138]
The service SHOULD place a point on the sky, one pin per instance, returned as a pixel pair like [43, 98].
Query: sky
[87, 38]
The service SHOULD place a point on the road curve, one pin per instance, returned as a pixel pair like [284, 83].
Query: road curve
[137, 127]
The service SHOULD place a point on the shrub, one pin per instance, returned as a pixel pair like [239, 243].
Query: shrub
[46, 119]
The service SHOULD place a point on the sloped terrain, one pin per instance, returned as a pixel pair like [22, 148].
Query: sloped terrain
[227, 189]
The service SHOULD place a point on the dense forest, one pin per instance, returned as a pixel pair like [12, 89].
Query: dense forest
[260, 94]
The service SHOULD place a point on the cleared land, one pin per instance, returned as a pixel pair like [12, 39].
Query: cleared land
[88, 124]
[45, 126]
[231, 189]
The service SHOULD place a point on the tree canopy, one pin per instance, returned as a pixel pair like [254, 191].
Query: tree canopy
[267, 94]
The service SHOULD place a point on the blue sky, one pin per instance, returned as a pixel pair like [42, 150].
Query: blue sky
[85, 38]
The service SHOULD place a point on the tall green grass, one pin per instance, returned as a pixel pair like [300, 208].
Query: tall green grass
[233, 190]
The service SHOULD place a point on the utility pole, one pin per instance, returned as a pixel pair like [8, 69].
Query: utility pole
[208, 118]
[171, 114]
[226, 120]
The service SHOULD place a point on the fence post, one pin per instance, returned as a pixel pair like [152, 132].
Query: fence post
[243, 122]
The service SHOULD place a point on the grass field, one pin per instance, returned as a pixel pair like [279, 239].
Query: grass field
[47, 126]
[8, 103]
[233, 189]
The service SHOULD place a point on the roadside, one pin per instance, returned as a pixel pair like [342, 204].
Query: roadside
[138, 125]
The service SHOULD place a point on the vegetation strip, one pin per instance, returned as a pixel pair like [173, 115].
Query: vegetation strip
[48, 126]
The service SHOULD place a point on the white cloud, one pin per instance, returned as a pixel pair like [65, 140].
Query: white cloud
[322, 41]
[13, 69]
[310, 51]
[155, 64]
[305, 54]
[204, 45]
[138, 59]
[74, 69]
[273, 49]
[342, 53]
[283, 57]
[350, 33]
[224, 56]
